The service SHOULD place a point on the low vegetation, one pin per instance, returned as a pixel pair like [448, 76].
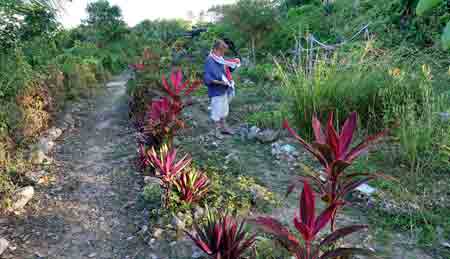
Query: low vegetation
[375, 65]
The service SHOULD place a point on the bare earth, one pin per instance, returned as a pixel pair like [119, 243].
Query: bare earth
[90, 211]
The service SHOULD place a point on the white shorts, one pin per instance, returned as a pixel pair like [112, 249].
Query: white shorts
[220, 106]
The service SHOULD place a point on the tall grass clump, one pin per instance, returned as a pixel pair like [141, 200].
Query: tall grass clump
[334, 87]
[382, 93]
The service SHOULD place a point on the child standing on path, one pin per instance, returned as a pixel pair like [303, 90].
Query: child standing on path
[221, 87]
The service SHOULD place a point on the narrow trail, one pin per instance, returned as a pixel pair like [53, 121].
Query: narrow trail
[91, 211]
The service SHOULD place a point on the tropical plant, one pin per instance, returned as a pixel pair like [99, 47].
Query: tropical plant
[179, 89]
[191, 185]
[309, 226]
[423, 6]
[334, 152]
[166, 166]
[162, 120]
[222, 237]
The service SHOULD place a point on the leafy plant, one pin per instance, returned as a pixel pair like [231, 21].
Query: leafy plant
[162, 120]
[222, 237]
[191, 185]
[333, 151]
[167, 168]
[309, 226]
[175, 90]
[424, 6]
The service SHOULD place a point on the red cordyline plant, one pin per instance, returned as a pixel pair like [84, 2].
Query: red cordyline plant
[191, 185]
[162, 119]
[167, 167]
[335, 153]
[222, 237]
[178, 88]
[309, 226]
[163, 115]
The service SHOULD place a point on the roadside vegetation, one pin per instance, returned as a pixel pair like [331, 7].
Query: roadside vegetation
[380, 66]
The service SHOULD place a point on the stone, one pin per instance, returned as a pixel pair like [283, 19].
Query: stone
[54, 133]
[444, 116]
[92, 255]
[197, 252]
[36, 177]
[366, 189]
[198, 212]
[38, 157]
[4, 244]
[46, 145]
[157, 233]
[231, 157]
[149, 180]
[69, 120]
[267, 136]
[253, 133]
[21, 197]
[178, 223]
[443, 243]
[288, 148]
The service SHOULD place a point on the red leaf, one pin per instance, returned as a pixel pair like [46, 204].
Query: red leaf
[324, 218]
[304, 230]
[307, 205]
[306, 145]
[361, 148]
[346, 136]
[167, 86]
[318, 132]
[273, 226]
[332, 137]
[340, 233]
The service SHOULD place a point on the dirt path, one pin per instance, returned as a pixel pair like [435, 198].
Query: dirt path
[91, 211]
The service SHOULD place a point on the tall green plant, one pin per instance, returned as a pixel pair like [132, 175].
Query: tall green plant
[425, 6]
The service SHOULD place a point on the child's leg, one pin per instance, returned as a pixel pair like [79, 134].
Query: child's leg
[225, 128]
[218, 109]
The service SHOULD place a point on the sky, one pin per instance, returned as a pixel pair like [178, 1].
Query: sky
[135, 11]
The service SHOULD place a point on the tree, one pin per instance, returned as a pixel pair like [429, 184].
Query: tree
[106, 20]
[24, 20]
[427, 5]
[251, 19]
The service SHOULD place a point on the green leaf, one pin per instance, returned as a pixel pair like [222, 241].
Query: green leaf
[425, 5]
[446, 36]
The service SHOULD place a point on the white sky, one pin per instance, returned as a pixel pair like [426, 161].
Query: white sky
[135, 11]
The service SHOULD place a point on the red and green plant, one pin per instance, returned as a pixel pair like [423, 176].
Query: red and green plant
[191, 185]
[309, 226]
[334, 152]
[163, 115]
[222, 237]
[178, 88]
[162, 120]
[167, 167]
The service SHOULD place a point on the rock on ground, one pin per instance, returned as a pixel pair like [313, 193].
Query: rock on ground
[21, 197]
[3, 245]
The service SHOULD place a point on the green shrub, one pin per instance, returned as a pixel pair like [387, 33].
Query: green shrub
[152, 194]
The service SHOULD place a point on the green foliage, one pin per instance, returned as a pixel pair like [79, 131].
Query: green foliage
[152, 194]
[426, 5]
[166, 31]
[446, 36]
[106, 21]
